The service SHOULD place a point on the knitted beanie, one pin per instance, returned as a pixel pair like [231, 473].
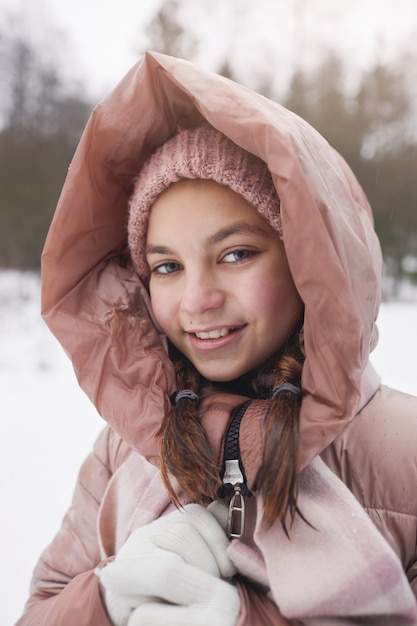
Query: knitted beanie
[204, 153]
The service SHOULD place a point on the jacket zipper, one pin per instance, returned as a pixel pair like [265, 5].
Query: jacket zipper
[233, 477]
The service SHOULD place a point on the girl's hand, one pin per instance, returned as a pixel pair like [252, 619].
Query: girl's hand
[184, 595]
[178, 559]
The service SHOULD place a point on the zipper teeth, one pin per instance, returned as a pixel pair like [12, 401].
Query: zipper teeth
[231, 448]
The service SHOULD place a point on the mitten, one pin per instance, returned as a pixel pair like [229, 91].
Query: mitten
[168, 556]
[186, 596]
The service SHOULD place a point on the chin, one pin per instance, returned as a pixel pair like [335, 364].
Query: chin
[221, 376]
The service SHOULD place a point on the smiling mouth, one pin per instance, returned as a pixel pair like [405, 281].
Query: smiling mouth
[215, 334]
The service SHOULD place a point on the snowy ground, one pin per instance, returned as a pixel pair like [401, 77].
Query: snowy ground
[47, 425]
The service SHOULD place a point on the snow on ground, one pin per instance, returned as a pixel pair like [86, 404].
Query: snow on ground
[47, 428]
[48, 425]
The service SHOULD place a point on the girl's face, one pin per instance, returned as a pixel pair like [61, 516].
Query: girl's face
[220, 285]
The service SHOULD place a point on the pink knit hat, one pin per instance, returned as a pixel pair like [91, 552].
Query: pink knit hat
[198, 153]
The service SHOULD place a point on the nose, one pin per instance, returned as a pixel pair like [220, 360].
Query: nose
[201, 292]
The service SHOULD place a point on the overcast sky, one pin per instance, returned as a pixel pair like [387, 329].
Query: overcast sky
[105, 36]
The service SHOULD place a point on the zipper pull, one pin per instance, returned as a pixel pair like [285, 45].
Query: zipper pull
[236, 517]
[233, 477]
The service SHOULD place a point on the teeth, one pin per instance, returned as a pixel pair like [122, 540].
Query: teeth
[213, 334]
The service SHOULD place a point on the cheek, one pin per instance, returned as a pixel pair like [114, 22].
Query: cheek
[278, 302]
[161, 308]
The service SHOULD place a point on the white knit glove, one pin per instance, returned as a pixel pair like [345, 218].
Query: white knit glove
[170, 572]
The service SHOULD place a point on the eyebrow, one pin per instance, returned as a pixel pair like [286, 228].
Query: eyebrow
[158, 250]
[234, 229]
[240, 228]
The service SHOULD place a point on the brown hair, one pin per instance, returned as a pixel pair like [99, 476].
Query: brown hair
[185, 449]
[277, 477]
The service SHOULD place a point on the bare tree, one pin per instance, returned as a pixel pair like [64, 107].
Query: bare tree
[41, 125]
[167, 33]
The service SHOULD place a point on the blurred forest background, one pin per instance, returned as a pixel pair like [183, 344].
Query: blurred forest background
[371, 121]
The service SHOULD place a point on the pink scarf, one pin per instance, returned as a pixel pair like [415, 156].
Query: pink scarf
[339, 566]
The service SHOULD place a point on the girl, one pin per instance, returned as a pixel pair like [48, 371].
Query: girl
[213, 272]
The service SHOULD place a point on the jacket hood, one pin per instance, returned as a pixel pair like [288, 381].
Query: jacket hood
[95, 305]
